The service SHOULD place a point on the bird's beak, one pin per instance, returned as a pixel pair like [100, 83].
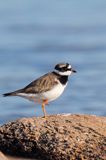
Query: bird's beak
[74, 71]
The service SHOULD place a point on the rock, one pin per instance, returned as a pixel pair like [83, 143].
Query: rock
[2, 156]
[58, 137]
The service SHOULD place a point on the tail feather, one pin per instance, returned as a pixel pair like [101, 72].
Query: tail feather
[13, 93]
[9, 94]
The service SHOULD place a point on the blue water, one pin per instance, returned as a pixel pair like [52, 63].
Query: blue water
[36, 35]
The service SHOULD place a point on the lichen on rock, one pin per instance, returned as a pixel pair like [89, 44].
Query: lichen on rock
[58, 137]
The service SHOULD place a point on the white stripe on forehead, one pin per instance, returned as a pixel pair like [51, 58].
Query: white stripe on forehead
[69, 66]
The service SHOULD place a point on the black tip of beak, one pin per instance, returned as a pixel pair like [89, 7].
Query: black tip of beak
[74, 71]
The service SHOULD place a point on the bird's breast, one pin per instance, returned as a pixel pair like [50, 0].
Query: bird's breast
[54, 93]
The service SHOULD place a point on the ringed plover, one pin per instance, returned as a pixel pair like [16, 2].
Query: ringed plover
[46, 88]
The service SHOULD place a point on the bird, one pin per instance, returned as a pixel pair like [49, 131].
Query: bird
[48, 87]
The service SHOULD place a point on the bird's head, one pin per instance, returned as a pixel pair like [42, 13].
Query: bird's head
[64, 69]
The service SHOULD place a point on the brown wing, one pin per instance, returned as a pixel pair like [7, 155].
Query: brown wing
[42, 84]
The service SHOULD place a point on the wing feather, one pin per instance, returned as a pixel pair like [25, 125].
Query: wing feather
[40, 85]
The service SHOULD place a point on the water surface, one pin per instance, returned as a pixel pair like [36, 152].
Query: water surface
[36, 35]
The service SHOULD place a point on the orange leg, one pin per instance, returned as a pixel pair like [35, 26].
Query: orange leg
[43, 106]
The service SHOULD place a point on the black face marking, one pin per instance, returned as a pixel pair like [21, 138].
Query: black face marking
[67, 65]
[62, 67]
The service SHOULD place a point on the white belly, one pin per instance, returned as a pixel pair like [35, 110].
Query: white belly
[54, 93]
[49, 95]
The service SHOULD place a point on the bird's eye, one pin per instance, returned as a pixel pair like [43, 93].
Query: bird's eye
[64, 69]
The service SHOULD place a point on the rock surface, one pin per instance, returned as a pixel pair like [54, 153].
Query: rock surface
[2, 156]
[6, 157]
[58, 137]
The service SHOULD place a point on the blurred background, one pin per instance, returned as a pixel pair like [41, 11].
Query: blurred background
[36, 35]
